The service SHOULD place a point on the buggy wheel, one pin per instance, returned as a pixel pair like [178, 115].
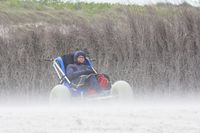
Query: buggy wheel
[59, 94]
[122, 91]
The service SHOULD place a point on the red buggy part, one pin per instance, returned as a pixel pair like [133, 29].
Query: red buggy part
[103, 81]
[91, 91]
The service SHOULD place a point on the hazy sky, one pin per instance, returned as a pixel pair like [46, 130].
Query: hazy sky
[141, 2]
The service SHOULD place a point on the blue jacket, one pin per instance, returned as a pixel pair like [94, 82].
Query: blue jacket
[74, 71]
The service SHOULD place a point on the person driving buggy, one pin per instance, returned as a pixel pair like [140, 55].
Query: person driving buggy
[80, 73]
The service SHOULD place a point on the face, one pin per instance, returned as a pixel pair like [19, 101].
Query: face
[80, 59]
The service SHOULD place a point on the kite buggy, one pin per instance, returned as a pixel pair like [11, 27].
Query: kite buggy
[79, 80]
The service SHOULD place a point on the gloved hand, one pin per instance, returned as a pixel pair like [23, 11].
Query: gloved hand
[89, 71]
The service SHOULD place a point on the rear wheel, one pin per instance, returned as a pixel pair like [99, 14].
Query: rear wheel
[59, 94]
[122, 91]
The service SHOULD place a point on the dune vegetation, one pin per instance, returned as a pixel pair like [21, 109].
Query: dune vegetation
[155, 48]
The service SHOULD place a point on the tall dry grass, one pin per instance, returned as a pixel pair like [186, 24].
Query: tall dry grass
[154, 48]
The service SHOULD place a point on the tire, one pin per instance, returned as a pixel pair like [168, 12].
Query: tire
[59, 94]
[121, 90]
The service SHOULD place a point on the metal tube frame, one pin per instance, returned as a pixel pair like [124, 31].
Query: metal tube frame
[60, 73]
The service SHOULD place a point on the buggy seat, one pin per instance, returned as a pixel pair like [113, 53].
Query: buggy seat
[67, 59]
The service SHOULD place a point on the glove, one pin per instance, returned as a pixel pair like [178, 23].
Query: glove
[89, 71]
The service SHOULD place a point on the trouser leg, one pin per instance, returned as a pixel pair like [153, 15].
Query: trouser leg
[94, 83]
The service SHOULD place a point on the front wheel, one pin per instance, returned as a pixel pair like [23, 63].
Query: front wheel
[59, 94]
[122, 91]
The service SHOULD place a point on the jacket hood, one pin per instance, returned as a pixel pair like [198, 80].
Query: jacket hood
[77, 54]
